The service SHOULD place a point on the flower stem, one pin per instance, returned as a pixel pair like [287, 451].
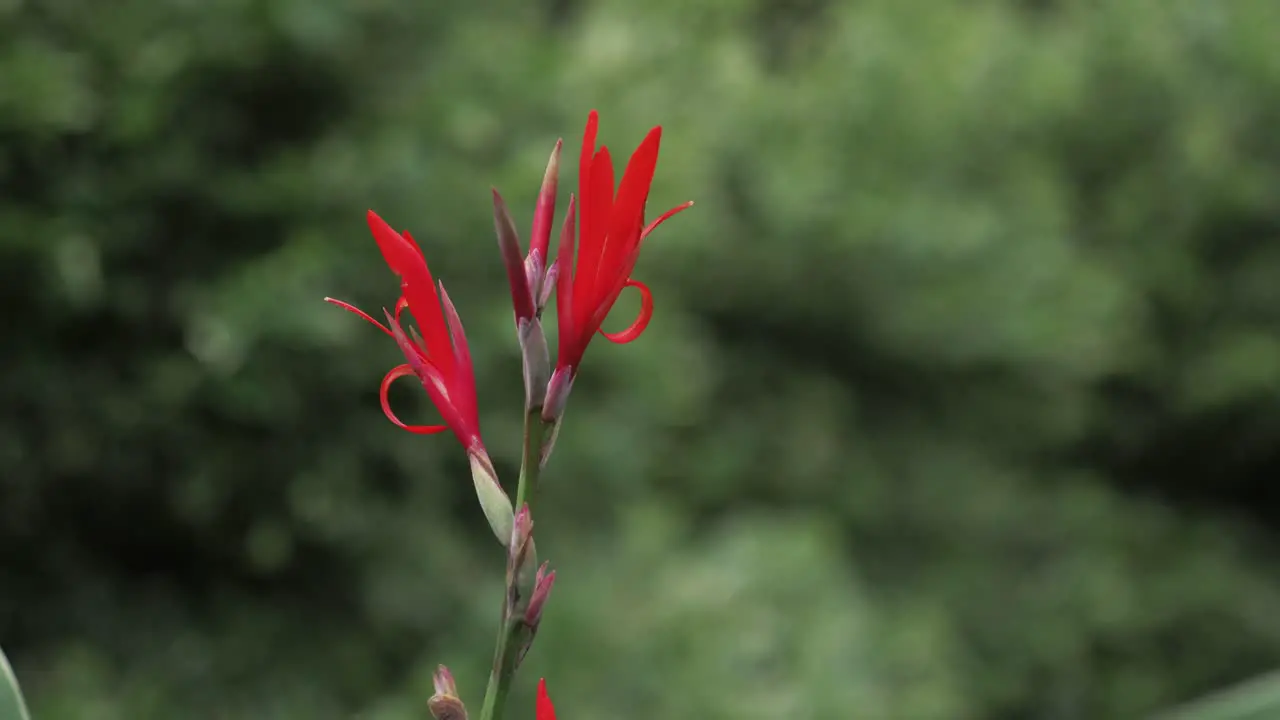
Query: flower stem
[510, 629]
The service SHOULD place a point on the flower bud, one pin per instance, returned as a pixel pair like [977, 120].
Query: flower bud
[442, 679]
[521, 538]
[445, 705]
[535, 268]
[533, 611]
[544, 213]
[541, 591]
[543, 296]
[509, 244]
[558, 389]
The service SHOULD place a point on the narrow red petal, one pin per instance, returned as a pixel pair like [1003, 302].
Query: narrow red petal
[398, 252]
[592, 240]
[633, 193]
[564, 289]
[462, 385]
[588, 151]
[546, 711]
[663, 218]
[418, 287]
[395, 374]
[626, 217]
[642, 320]
[353, 309]
[412, 242]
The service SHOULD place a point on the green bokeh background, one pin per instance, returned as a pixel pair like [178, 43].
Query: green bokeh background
[961, 397]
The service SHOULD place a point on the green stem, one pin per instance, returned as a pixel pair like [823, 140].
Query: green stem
[510, 629]
[535, 431]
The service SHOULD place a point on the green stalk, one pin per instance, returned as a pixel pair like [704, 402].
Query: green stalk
[510, 629]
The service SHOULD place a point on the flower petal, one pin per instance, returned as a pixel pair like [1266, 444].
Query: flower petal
[353, 309]
[545, 710]
[597, 204]
[462, 385]
[565, 328]
[417, 286]
[663, 218]
[628, 208]
[642, 320]
[396, 373]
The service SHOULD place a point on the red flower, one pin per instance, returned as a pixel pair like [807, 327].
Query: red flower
[612, 230]
[545, 710]
[439, 357]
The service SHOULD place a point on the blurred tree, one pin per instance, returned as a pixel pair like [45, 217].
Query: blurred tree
[960, 400]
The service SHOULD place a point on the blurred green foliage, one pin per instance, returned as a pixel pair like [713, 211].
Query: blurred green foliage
[960, 399]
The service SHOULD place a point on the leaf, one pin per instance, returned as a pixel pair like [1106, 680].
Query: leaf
[1257, 699]
[11, 705]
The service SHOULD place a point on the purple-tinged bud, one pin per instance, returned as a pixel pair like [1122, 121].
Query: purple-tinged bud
[442, 679]
[445, 705]
[535, 266]
[509, 244]
[521, 540]
[533, 611]
[543, 296]
[558, 389]
[541, 591]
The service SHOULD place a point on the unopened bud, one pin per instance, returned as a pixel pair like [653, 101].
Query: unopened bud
[535, 267]
[544, 214]
[442, 679]
[558, 389]
[493, 501]
[533, 611]
[445, 705]
[518, 548]
[543, 294]
[541, 591]
[509, 244]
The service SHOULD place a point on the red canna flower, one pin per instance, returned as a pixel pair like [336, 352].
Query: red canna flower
[611, 231]
[545, 710]
[439, 357]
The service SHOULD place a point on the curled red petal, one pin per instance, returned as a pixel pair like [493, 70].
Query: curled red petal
[353, 309]
[642, 320]
[396, 373]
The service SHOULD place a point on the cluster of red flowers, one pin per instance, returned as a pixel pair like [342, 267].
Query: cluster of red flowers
[588, 275]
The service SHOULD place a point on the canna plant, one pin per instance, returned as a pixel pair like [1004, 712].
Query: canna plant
[600, 240]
